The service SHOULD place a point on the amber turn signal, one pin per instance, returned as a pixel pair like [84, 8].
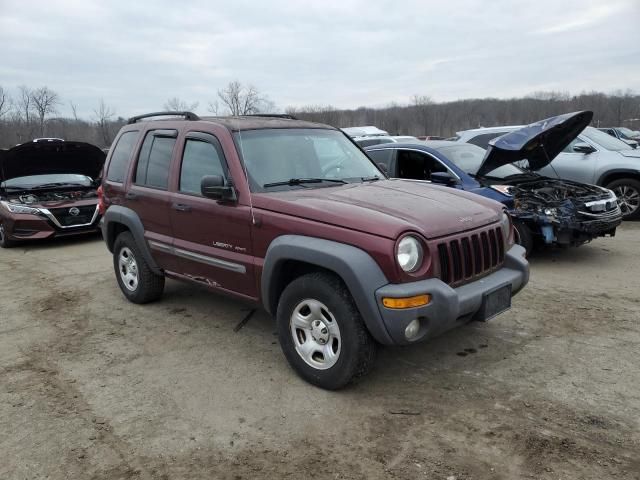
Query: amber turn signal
[407, 302]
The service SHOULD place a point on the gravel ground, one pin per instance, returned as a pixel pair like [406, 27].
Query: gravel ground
[94, 387]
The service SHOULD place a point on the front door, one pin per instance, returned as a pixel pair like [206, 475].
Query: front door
[212, 239]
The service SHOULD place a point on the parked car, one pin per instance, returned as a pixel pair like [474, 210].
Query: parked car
[379, 139]
[48, 188]
[292, 217]
[430, 137]
[623, 134]
[545, 210]
[593, 157]
[365, 131]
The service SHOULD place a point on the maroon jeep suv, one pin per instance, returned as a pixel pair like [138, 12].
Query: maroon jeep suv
[292, 216]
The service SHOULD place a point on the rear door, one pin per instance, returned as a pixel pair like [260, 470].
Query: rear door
[211, 238]
[572, 165]
[148, 193]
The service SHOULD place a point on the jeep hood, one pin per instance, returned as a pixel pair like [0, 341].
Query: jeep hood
[538, 143]
[41, 158]
[386, 208]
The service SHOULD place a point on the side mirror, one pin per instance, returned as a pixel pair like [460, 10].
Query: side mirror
[383, 167]
[444, 178]
[215, 187]
[583, 148]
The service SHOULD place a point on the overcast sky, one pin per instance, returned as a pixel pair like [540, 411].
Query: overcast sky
[136, 54]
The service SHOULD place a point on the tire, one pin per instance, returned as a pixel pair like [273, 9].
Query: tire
[138, 282]
[524, 236]
[4, 241]
[628, 192]
[323, 297]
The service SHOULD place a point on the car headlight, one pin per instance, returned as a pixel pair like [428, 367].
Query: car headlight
[507, 228]
[17, 208]
[409, 254]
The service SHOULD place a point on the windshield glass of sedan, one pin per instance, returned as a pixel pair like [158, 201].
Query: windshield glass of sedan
[279, 155]
[605, 140]
[34, 181]
[469, 157]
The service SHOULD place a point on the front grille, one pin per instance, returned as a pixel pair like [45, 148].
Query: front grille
[466, 258]
[66, 219]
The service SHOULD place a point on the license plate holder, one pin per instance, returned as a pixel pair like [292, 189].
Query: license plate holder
[494, 303]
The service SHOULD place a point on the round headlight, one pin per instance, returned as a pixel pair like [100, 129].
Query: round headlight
[409, 254]
[505, 224]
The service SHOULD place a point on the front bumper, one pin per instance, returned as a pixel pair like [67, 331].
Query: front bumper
[24, 227]
[449, 307]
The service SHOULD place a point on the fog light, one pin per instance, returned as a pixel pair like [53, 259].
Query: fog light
[412, 329]
[406, 302]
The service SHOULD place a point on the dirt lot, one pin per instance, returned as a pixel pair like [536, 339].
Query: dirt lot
[94, 387]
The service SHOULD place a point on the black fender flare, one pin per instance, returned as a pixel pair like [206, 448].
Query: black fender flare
[357, 269]
[117, 214]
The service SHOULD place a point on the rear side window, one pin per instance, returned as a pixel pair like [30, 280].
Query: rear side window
[155, 159]
[201, 157]
[121, 156]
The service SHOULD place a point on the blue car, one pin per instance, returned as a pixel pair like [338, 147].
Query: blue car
[545, 210]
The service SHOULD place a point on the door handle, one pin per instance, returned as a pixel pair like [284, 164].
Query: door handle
[181, 207]
[131, 196]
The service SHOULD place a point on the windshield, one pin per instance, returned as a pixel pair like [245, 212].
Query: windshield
[34, 181]
[605, 140]
[469, 157]
[279, 155]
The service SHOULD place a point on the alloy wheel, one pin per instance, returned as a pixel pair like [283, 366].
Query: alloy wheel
[628, 199]
[128, 268]
[316, 334]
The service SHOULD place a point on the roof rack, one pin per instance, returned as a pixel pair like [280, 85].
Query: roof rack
[271, 115]
[186, 115]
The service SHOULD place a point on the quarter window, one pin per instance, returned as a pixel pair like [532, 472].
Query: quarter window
[121, 156]
[200, 158]
[154, 160]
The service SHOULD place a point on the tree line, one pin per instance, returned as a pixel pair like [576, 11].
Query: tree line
[33, 113]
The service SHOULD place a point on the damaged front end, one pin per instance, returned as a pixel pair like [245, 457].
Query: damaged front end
[564, 212]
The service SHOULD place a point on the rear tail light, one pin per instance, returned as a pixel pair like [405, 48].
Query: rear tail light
[101, 205]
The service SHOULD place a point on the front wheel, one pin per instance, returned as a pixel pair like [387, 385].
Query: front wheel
[136, 279]
[5, 242]
[322, 333]
[628, 192]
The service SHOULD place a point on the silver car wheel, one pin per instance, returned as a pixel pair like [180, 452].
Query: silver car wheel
[628, 199]
[128, 268]
[315, 334]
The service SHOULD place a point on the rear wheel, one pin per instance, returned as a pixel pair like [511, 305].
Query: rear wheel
[136, 279]
[628, 192]
[322, 333]
[4, 240]
[524, 236]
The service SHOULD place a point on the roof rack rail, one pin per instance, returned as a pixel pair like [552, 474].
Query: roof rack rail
[186, 115]
[271, 115]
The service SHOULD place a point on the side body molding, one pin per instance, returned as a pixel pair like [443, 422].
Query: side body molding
[360, 273]
[117, 214]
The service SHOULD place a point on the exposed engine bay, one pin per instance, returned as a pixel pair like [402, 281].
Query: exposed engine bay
[52, 196]
[563, 211]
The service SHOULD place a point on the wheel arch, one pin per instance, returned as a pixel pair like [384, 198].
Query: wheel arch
[118, 219]
[290, 256]
[618, 174]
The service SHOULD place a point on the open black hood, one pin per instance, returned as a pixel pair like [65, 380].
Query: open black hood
[539, 143]
[41, 158]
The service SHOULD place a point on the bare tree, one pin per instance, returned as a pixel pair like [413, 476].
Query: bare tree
[45, 102]
[214, 107]
[104, 115]
[176, 104]
[243, 100]
[422, 108]
[25, 104]
[74, 110]
[5, 102]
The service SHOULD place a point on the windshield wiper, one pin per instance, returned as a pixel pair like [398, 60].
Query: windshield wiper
[373, 178]
[300, 181]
